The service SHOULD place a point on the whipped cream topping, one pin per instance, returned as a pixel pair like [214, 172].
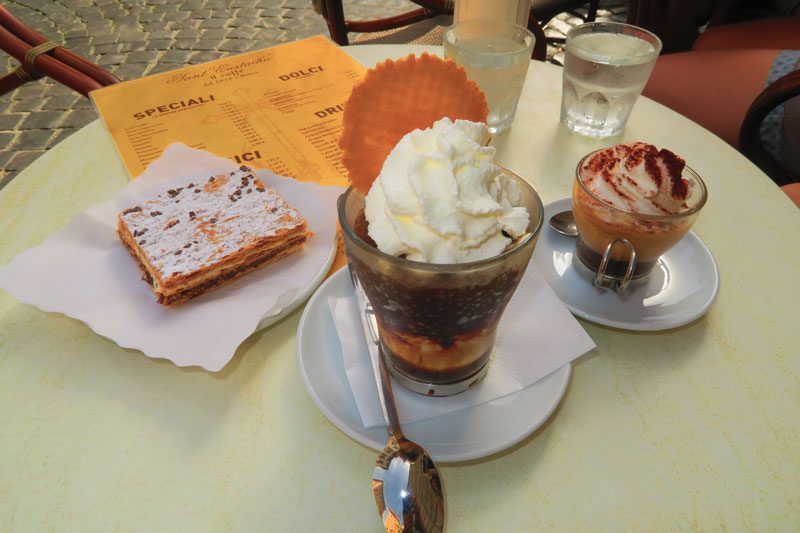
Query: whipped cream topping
[439, 197]
[638, 177]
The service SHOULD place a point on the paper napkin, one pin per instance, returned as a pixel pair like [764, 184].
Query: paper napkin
[536, 336]
[84, 271]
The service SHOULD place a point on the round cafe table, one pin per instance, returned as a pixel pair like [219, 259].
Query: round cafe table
[696, 428]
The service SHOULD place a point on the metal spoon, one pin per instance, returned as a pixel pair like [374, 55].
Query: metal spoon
[564, 223]
[405, 481]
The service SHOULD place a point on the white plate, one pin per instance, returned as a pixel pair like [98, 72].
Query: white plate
[307, 291]
[682, 287]
[91, 277]
[470, 433]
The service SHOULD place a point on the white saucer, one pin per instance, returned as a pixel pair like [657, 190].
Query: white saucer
[682, 287]
[471, 433]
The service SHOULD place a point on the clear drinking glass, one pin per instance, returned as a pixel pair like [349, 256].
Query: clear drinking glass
[495, 55]
[437, 322]
[606, 66]
[632, 242]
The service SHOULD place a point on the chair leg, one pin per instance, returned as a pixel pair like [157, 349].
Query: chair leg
[591, 14]
[540, 44]
[335, 20]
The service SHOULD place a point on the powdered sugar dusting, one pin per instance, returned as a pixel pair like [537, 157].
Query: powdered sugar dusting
[189, 228]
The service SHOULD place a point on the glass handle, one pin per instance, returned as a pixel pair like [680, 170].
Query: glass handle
[601, 280]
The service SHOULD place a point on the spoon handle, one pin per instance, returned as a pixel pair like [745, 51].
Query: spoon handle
[368, 323]
[387, 398]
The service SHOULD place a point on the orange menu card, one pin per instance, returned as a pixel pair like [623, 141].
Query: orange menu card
[278, 108]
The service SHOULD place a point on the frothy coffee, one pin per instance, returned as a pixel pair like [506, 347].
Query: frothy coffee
[636, 192]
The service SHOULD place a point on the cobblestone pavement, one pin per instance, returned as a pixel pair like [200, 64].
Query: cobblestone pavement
[134, 38]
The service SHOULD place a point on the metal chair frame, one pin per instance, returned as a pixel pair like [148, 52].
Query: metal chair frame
[339, 26]
[41, 57]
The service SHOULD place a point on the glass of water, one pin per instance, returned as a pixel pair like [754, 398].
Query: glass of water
[606, 66]
[495, 55]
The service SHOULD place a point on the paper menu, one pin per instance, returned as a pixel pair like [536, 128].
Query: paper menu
[278, 108]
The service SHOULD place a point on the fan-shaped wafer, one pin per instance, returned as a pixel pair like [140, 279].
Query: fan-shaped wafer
[397, 97]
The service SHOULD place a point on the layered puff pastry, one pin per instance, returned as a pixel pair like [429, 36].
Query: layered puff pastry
[193, 239]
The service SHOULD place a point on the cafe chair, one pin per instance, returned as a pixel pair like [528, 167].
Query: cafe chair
[433, 17]
[678, 22]
[779, 33]
[793, 191]
[750, 143]
[720, 84]
[41, 57]
[716, 77]
[767, 34]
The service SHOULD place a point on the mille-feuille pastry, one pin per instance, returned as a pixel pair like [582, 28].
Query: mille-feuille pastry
[190, 240]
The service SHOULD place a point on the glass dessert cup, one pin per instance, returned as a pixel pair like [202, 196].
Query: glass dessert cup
[437, 322]
[620, 247]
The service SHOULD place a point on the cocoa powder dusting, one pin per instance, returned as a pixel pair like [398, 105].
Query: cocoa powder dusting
[675, 166]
